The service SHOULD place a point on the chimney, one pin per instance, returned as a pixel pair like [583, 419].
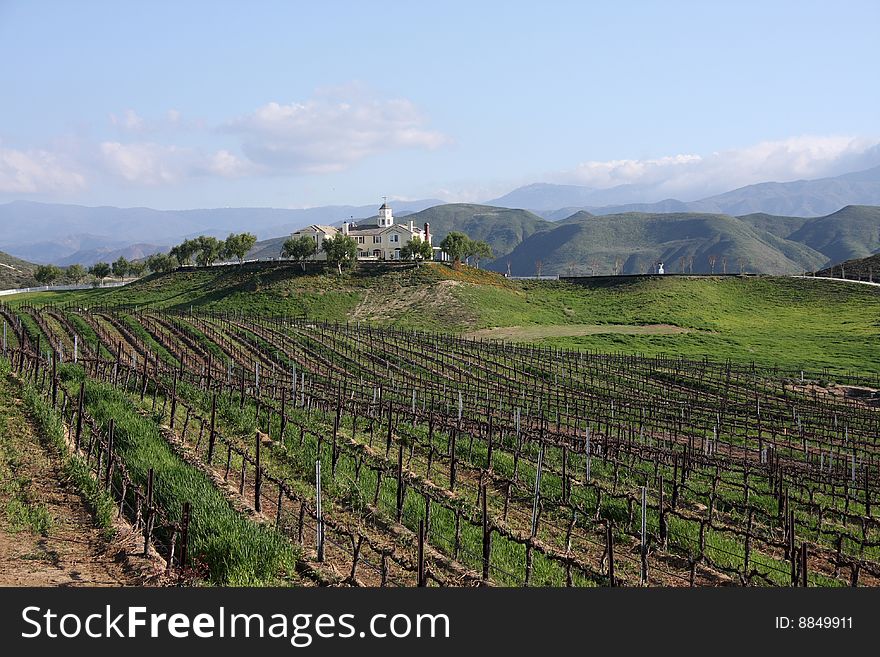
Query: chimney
[345, 228]
[427, 232]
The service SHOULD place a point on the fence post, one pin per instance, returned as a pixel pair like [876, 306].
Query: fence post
[537, 491]
[319, 518]
[213, 434]
[79, 414]
[184, 535]
[258, 474]
[644, 535]
[148, 520]
[421, 553]
[609, 546]
[487, 538]
[174, 399]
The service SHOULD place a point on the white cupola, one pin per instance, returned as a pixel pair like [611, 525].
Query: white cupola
[385, 218]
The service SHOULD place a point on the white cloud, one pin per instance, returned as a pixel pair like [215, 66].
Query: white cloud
[227, 165]
[35, 171]
[689, 176]
[152, 164]
[145, 163]
[327, 133]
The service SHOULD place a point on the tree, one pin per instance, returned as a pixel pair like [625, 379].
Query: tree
[712, 260]
[45, 274]
[137, 269]
[75, 273]
[184, 251]
[207, 250]
[341, 250]
[479, 249]
[299, 248]
[539, 267]
[455, 245]
[120, 267]
[161, 263]
[724, 264]
[594, 266]
[238, 245]
[100, 270]
[417, 249]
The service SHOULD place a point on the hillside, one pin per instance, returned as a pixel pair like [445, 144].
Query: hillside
[860, 269]
[584, 243]
[785, 321]
[636, 242]
[15, 273]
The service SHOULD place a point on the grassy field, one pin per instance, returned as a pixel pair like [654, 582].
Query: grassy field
[796, 323]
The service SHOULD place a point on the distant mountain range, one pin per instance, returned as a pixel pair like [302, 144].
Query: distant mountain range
[801, 198]
[634, 242]
[65, 234]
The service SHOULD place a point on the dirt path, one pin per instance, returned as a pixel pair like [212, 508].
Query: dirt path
[47, 534]
[527, 333]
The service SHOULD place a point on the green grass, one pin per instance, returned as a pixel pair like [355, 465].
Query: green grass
[99, 501]
[236, 551]
[22, 509]
[795, 323]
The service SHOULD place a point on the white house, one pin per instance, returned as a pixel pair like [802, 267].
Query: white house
[379, 241]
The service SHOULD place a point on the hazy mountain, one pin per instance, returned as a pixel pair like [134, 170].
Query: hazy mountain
[802, 198]
[547, 197]
[584, 243]
[59, 233]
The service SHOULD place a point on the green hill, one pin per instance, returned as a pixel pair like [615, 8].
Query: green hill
[860, 269]
[15, 273]
[634, 242]
[786, 321]
[852, 232]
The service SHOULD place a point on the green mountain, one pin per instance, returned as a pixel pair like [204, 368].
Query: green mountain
[502, 228]
[634, 242]
[860, 269]
[15, 273]
[852, 232]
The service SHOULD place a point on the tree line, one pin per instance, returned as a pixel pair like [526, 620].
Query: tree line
[204, 250]
[341, 250]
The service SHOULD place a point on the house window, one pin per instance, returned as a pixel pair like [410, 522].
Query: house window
[377, 253]
[397, 254]
[360, 239]
[395, 237]
[362, 254]
[377, 239]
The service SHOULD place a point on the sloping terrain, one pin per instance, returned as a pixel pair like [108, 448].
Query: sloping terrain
[15, 272]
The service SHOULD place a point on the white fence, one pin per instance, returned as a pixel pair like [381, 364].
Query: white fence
[61, 288]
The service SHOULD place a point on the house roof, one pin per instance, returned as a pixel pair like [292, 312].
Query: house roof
[376, 230]
[329, 230]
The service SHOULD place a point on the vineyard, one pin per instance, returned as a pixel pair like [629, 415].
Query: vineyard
[285, 450]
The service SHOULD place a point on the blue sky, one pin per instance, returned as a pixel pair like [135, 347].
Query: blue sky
[293, 104]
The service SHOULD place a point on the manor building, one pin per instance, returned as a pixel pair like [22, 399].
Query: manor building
[380, 241]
